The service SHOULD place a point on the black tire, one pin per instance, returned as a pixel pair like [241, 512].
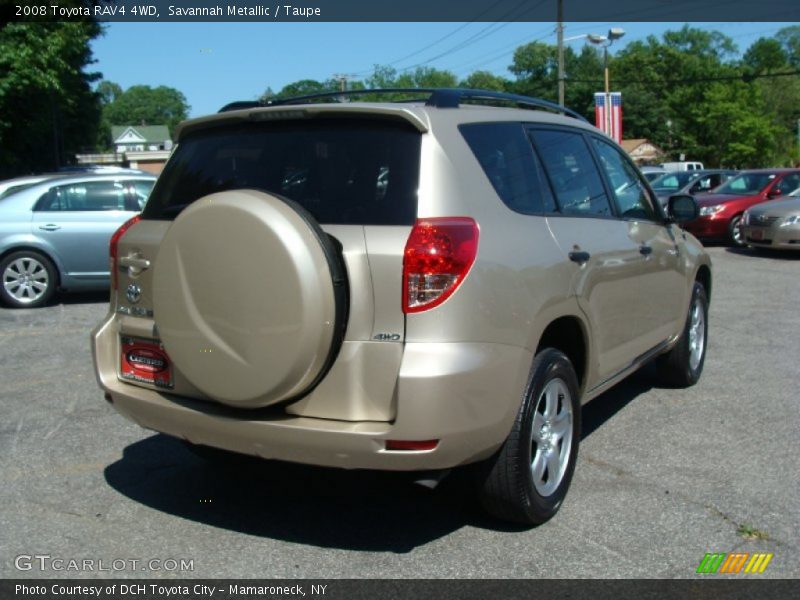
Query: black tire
[735, 233]
[29, 279]
[679, 367]
[508, 487]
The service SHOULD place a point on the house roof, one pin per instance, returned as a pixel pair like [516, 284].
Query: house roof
[630, 145]
[140, 134]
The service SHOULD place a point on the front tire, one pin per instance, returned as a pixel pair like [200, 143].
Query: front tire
[28, 279]
[683, 365]
[527, 480]
[735, 236]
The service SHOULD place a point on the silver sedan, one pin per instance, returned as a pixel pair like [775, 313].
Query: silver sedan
[774, 224]
[55, 234]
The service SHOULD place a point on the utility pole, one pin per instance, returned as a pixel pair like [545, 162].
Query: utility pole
[342, 79]
[560, 37]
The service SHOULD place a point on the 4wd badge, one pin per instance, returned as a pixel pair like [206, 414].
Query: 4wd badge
[387, 337]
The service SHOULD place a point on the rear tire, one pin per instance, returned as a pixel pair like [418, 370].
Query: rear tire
[29, 279]
[683, 365]
[527, 480]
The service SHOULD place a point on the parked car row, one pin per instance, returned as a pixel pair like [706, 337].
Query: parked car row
[721, 209]
[55, 231]
[756, 207]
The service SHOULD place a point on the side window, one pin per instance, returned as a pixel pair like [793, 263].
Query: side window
[88, 196]
[789, 183]
[572, 172]
[50, 201]
[629, 190]
[705, 183]
[140, 190]
[506, 156]
[100, 195]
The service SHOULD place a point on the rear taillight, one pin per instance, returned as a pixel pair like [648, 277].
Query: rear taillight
[113, 248]
[438, 255]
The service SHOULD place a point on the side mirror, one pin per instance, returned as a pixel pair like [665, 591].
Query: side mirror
[683, 208]
[774, 193]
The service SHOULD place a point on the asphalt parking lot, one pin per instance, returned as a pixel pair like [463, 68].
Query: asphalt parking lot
[663, 476]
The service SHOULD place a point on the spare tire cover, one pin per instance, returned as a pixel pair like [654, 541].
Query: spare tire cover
[244, 298]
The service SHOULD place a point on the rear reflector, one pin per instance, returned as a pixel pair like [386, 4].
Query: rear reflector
[438, 255]
[411, 445]
[113, 247]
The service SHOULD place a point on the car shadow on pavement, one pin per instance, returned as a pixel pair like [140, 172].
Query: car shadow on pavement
[80, 298]
[355, 510]
[762, 253]
[598, 411]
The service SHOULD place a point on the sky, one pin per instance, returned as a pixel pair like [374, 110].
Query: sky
[216, 63]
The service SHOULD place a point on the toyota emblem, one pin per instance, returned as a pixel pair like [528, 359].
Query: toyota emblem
[133, 293]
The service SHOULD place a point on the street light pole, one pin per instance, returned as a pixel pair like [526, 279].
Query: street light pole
[605, 41]
[607, 88]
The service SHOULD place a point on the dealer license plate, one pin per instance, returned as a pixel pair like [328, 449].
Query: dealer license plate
[145, 361]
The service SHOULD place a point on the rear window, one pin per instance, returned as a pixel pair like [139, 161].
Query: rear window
[343, 171]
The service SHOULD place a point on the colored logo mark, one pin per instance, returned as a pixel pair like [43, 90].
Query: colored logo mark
[734, 562]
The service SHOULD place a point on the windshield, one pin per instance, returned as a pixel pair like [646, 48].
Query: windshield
[342, 171]
[674, 181]
[746, 184]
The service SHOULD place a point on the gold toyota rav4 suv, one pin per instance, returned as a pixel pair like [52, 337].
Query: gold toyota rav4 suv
[406, 286]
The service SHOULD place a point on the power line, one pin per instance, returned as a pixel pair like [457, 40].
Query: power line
[741, 77]
[490, 29]
[438, 41]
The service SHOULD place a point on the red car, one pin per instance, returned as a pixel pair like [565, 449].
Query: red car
[721, 210]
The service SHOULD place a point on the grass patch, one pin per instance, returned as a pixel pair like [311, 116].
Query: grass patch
[749, 532]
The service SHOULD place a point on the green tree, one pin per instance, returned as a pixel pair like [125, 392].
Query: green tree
[536, 68]
[789, 38]
[426, 77]
[767, 62]
[740, 130]
[484, 80]
[48, 111]
[305, 87]
[145, 105]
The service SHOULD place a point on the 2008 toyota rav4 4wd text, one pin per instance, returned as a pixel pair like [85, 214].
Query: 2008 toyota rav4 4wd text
[406, 286]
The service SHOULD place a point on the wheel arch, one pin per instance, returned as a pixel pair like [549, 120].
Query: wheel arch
[703, 276]
[568, 334]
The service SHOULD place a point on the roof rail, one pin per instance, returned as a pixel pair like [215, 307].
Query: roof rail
[241, 105]
[437, 97]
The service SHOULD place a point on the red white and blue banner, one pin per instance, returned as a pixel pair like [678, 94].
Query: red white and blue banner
[609, 120]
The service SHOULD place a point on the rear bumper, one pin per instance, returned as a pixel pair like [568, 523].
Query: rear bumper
[466, 395]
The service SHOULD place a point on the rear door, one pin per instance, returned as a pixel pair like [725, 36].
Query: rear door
[612, 255]
[77, 219]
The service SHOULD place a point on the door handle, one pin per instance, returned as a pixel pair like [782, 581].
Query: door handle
[50, 227]
[134, 262]
[579, 256]
[645, 250]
